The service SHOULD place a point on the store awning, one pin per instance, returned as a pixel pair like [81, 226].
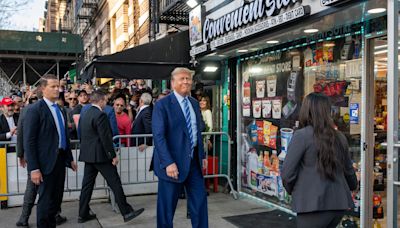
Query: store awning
[154, 60]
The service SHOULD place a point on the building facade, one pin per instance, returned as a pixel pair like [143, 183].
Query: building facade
[110, 26]
[54, 15]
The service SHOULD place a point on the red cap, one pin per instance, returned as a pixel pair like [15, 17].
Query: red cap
[7, 101]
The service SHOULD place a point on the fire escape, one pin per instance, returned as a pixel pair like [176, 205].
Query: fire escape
[85, 11]
[174, 13]
[85, 15]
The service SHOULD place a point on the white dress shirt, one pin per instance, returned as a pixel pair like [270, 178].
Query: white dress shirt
[11, 124]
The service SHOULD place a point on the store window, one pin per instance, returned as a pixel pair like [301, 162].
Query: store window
[274, 84]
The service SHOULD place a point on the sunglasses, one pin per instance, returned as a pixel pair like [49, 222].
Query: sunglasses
[118, 105]
[73, 99]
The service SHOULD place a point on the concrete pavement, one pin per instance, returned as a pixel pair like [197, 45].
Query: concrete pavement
[219, 205]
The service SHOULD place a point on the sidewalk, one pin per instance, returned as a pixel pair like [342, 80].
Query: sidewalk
[219, 205]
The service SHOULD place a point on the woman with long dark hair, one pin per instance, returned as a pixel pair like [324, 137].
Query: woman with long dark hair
[317, 170]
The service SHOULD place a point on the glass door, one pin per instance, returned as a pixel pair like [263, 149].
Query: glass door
[380, 173]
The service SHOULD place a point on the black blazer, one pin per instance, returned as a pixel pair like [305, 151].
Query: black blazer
[40, 138]
[96, 137]
[142, 125]
[310, 190]
[20, 130]
[4, 128]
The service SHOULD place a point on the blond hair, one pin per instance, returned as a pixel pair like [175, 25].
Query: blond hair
[179, 70]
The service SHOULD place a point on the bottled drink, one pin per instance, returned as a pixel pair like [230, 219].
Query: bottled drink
[260, 163]
[275, 162]
[267, 163]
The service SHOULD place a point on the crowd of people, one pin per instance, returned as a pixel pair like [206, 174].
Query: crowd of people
[128, 110]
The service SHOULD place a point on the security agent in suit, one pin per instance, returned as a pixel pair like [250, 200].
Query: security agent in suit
[97, 151]
[142, 123]
[31, 190]
[179, 153]
[47, 149]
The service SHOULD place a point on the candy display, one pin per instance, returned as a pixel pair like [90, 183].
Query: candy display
[276, 108]
[257, 106]
[260, 89]
[266, 108]
[246, 99]
[271, 86]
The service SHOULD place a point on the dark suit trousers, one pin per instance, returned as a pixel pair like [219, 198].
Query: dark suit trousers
[109, 172]
[50, 194]
[319, 219]
[168, 193]
[29, 200]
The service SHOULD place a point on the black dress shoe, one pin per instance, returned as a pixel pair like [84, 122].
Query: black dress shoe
[60, 219]
[87, 218]
[22, 224]
[128, 217]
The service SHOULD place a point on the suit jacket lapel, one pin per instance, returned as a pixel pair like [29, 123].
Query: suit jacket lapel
[176, 107]
[48, 112]
[15, 119]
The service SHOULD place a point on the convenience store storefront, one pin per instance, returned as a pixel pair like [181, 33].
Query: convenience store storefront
[276, 52]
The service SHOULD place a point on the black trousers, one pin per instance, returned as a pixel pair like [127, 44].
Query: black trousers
[319, 219]
[109, 172]
[29, 200]
[51, 192]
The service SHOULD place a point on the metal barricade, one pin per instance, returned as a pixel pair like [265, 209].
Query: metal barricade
[13, 177]
[217, 146]
[137, 150]
[133, 168]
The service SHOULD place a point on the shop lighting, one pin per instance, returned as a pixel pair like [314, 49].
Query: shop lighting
[329, 45]
[210, 69]
[376, 10]
[311, 30]
[255, 70]
[192, 3]
[242, 51]
[272, 41]
[383, 51]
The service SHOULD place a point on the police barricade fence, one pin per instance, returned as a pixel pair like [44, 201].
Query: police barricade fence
[13, 177]
[137, 150]
[135, 160]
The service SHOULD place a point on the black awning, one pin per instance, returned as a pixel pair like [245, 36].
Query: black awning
[154, 60]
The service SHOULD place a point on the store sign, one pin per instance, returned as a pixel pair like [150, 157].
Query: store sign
[246, 20]
[331, 2]
[263, 25]
[328, 2]
[198, 50]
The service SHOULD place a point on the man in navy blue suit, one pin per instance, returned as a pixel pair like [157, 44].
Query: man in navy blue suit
[47, 149]
[178, 152]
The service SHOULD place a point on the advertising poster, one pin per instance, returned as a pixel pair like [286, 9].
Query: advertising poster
[195, 26]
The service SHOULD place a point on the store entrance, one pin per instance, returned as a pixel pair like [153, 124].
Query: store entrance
[377, 156]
